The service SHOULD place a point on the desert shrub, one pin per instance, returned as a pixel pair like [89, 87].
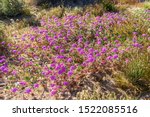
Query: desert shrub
[57, 11]
[139, 12]
[10, 7]
[147, 5]
[74, 11]
[122, 8]
[1, 35]
[53, 11]
[1, 31]
[133, 23]
[96, 10]
[108, 5]
[138, 68]
[2, 39]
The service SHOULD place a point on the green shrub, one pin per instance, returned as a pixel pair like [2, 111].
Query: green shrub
[1, 35]
[122, 8]
[147, 5]
[108, 5]
[96, 9]
[10, 7]
[1, 31]
[138, 68]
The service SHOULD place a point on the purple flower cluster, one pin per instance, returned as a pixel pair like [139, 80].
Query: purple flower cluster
[3, 65]
[63, 48]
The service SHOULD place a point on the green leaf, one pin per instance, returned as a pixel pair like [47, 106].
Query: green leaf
[27, 78]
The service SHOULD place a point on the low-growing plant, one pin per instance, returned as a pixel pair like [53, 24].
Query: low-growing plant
[122, 8]
[147, 5]
[2, 25]
[53, 11]
[96, 9]
[74, 11]
[109, 5]
[10, 7]
[138, 68]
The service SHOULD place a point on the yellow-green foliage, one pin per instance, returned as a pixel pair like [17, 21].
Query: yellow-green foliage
[10, 7]
[96, 10]
[138, 68]
[74, 11]
[58, 11]
[147, 5]
[1, 31]
[122, 8]
[127, 27]
[121, 81]
[108, 5]
[54, 11]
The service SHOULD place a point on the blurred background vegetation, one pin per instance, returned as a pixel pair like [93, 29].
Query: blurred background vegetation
[9, 8]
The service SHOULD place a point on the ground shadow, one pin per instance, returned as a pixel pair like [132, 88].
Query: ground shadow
[67, 3]
[29, 19]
